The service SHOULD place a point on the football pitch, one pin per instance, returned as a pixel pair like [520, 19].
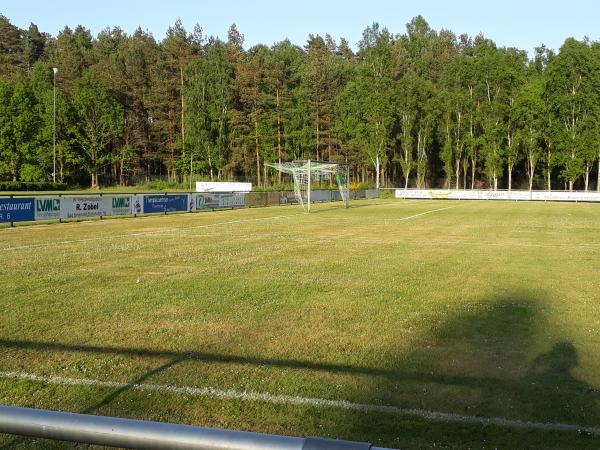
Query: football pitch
[407, 324]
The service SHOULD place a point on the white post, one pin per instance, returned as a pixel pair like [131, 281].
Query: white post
[54, 70]
[308, 188]
[347, 186]
[191, 160]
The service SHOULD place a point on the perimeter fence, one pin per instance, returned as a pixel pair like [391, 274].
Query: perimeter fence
[44, 207]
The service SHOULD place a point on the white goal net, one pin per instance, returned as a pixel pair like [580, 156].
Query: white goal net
[304, 173]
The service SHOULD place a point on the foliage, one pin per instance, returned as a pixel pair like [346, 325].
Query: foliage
[411, 109]
[32, 186]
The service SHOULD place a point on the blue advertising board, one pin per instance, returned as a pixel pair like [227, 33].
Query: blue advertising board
[16, 209]
[165, 203]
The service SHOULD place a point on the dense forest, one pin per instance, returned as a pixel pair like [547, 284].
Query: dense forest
[415, 109]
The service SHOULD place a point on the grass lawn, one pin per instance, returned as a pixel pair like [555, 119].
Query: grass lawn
[469, 309]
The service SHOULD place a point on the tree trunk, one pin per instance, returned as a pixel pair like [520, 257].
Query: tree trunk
[182, 110]
[587, 175]
[317, 126]
[570, 185]
[210, 164]
[457, 173]
[377, 171]
[530, 182]
[598, 179]
[530, 171]
[121, 171]
[256, 142]
[510, 169]
[473, 163]
[279, 152]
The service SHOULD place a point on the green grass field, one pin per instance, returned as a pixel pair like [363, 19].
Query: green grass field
[446, 312]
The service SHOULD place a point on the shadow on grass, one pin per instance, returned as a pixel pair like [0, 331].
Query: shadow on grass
[486, 359]
[493, 347]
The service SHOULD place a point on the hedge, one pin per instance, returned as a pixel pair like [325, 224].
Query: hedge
[31, 186]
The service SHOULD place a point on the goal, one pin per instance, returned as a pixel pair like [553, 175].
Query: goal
[305, 173]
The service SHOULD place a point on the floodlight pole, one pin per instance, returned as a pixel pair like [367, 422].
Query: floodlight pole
[308, 189]
[54, 71]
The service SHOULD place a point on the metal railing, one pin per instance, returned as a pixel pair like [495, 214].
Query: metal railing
[130, 433]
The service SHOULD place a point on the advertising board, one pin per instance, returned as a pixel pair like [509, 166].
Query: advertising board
[16, 209]
[47, 208]
[165, 203]
[222, 186]
[498, 195]
[219, 201]
[79, 207]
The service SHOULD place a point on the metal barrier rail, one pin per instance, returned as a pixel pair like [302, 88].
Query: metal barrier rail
[130, 433]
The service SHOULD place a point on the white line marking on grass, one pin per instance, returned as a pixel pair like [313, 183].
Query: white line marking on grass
[144, 233]
[231, 394]
[575, 246]
[422, 214]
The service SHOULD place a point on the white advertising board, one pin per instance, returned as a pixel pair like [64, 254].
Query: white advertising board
[75, 207]
[120, 206]
[210, 186]
[498, 195]
[219, 201]
[137, 204]
[47, 208]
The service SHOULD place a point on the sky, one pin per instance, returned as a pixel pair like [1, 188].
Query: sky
[522, 24]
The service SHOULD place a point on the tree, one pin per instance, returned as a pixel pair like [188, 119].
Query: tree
[572, 96]
[35, 43]
[321, 80]
[12, 51]
[209, 101]
[287, 63]
[529, 115]
[100, 123]
[373, 89]
[69, 52]
[167, 104]
[255, 83]
[18, 129]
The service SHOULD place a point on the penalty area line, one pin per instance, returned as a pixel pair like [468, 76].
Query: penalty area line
[231, 394]
[422, 214]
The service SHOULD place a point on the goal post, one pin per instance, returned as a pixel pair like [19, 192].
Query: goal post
[305, 172]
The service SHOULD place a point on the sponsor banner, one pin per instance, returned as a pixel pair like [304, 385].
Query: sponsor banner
[137, 204]
[219, 201]
[566, 196]
[77, 207]
[498, 195]
[120, 206]
[47, 208]
[165, 203]
[210, 186]
[16, 209]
